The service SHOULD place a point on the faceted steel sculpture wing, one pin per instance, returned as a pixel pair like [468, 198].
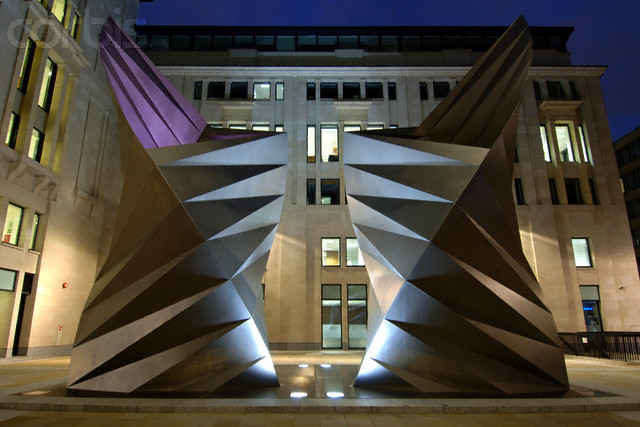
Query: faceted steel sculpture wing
[177, 306]
[455, 307]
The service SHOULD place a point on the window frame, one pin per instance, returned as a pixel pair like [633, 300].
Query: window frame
[45, 97]
[197, 90]
[339, 311]
[213, 90]
[18, 226]
[27, 64]
[346, 246]
[327, 90]
[12, 131]
[366, 313]
[35, 226]
[234, 92]
[329, 181]
[334, 156]
[262, 85]
[312, 143]
[587, 245]
[311, 191]
[323, 262]
[279, 96]
[36, 153]
[15, 279]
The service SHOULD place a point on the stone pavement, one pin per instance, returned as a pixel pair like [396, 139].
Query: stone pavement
[603, 393]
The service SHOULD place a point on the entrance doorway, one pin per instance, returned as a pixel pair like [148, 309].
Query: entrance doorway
[27, 285]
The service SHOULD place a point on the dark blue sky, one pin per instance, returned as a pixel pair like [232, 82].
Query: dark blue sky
[606, 31]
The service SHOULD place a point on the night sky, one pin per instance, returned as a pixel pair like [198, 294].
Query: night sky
[606, 31]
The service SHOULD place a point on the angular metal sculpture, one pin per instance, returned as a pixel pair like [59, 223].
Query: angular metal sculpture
[177, 306]
[455, 307]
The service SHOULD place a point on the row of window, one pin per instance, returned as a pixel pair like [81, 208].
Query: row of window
[556, 91]
[238, 90]
[631, 180]
[565, 140]
[332, 316]
[331, 252]
[633, 208]
[61, 10]
[628, 153]
[13, 226]
[36, 143]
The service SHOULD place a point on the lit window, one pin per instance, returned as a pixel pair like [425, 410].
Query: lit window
[354, 256]
[554, 192]
[311, 191]
[331, 252]
[278, 128]
[519, 191]
[591, 307]
[373, 91]
[565, 147]
[440, 89]
[12, 224]
[8, 279]
[581, 252]
[351, 90]
[34, 230]
[574, 195]
[238, 126]
[280, 91]
[330, 191]
[351, 128]
[357, 315]
[215, 90]
[36, 145]
[262, 91]
[197, 90]
[48, 84]
[74, 26]
[583, 143]
[328, 90]
[311, 91]
[424, 93]
[311, 143]
[331, 316]
[239, 90]
[261, 127]
[545, 143]
[12, 132]
[27, 62]
[391, 86]
[375, 126]
[329, 143]
[59, 9]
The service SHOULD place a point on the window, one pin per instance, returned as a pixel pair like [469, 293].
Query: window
[635, 236]
[197, 90]
[424, 93]
[354, 256]
[328, 90]
[329, 143]
[633, 208]
[573, 91]
[519, 191]
[12, 224]
[555, 90]
[331, 252]
[330, 191]
[278, 128]
[311, 143]
[554, 192]
[215, 90]
[36, 145]
[34, 230]
[239, 90]
[373, 91]
[594, 193]
[48, 84]
[27, 62]
[74, 26]
[262, 91]
[583, 143]
[536, 91]
[311, 91]
[375, 126]
[238, 126]
[591, 307]
[391, 86]
[12, 132]
[311, 191]
[440, 89]
[357, 315]
[8, 279]
[574, 196]
[351, 90]
[351, 128]
[565, 147]
[331, 316]
[545, 143]
[279, 91]
[59, 9]
[581, 252]
[260, 127]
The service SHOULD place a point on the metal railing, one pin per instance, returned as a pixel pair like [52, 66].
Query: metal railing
[605, 345]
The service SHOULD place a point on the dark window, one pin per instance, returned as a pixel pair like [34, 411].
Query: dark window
[453, 42]
[572, 185]
[330, 191]
[239, 90]
[328, 90]
[440, 89]
[424, 93]
[331, 316]
[285, 43]
[515, 154]
[594, 194]
[180, 42]
[307, 43]
[311, 91]
[554, 192]
[519, 191]
[432, 43]
[202, 43]
[555, 90]
[243, 42]
[215, 90]
[351, 90]
[411, 43]
[392, 91]
[536, 90]
[635, 235]
[12, 132]
[357, 315]
[265, 43]
[160, 42]
[327, 43]
[389, 43]
[373, 91]
[197, 90]
[348, 42]
[370, 43]
[633, 208]
[221, 43]
[311, 191]
[574, 92]
[27, 62]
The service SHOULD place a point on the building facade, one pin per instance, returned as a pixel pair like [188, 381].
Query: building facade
[59, 167]
[317, 83]
[628, 157]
